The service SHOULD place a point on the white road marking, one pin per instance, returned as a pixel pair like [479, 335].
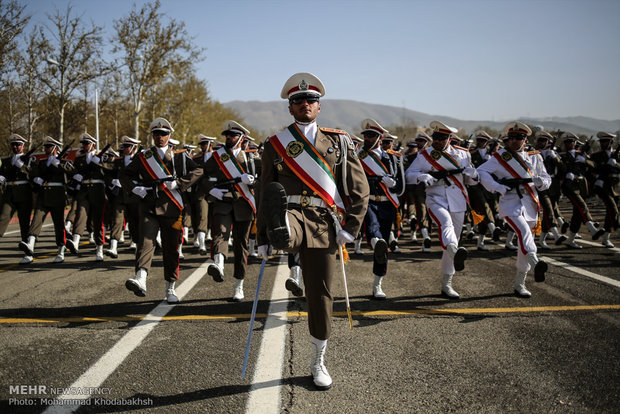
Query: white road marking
[583, 272]
[107, 364]
[597, 244]
[264, 396]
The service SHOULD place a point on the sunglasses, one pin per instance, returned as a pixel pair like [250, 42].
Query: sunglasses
[519, 137]
[232, 134]
[17, 144]
[370, 134]
[299, 99]
[420, 140]
[438, 136]
[160, 133]
[48, 145]
[85, 142]
[126, 145]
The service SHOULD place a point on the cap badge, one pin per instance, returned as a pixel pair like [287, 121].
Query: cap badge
[294, 149]
[506, 156]
[435, 155]
[303, 85]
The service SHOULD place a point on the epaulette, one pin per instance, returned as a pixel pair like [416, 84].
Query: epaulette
[332, 131]
[181, 151]
[391, 151]
[533, 152]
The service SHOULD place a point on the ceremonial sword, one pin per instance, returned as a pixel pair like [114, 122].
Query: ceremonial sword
[251, 329]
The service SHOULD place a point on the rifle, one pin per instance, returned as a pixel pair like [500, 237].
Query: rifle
[154, 184]
[229, 185]
[64, 150]
[443, 175]
[27, 155]
[514, 183]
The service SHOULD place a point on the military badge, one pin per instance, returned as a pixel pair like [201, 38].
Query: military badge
[225, 157]
[435, 155]
[148, 154]
[303, 85]
[294, 148]
[506, 156]
[363, 154]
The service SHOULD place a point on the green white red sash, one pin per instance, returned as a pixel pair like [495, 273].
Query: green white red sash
[232, 169]
[375, 168]
[513, 163]
[307, 164]
[156, 169]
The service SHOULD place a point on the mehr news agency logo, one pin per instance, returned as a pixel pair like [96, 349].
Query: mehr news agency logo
[24, 395]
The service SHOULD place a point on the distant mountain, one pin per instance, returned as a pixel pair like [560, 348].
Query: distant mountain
[270, 117]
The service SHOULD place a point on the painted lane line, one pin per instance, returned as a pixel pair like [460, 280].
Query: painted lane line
[107, 364]
[583, 272]
[590, 243]
[264, 396]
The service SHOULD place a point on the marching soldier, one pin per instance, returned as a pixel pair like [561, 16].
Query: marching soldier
[230, 191]
[154, 175]
[17, 196]
[91, 199]
[49, 182]
[416, 197]
[125, 206]
[200, 206]
[575, 188]
[520, 175]
[444, 170]
[308, 173]
[386, 179]
[254, 168]
[607, 184]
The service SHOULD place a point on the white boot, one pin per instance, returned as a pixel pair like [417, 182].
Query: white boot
[230, 241]
[520, 289]
[202, 247]
[294, 283]
[539, 266]
[68, 225]
[605, 240]
[358, 246]
[252, 248]
[112, 251]
[196, 242]
[28, 247]
[171, 295]
[158, 240]
[91, 237]
[541, 241]
[493, 231]
[99, 253]
[571, 241]
[74, 245]
[481, 245]
[60, 257]
[133, 245]
[559, 238]
[509, 237]
[138, 284]
[238, 291]
[320, 376]
[426, 244]
[377, 292]
[26, 260]
[446, 288]
[393, 243]
[216, 269]
[414, 236]
[185, 234]
[209, 235]
[380, 248]
[180, 250]
[596, 233]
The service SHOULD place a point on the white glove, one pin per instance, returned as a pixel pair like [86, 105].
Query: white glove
[389, 183]
[580, 158]
[17, 161]
[344, 237]
[38, 180]
[570, 176]
[247, 179]
[612, 162]
[54, 161]
[78, 178]
[427, 179]
[139, 191]
[2, 179]
[538, 182]
[502, 189]
[95, 159]
[471, 172]
[265, 251]
[599, 183]
[116, 182]
[171, 185]
[218, 192]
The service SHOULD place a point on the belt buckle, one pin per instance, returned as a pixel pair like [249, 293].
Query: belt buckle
[305, 200]
[377, 198]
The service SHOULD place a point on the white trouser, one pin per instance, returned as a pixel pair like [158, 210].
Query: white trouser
[527, 243]
[449, 229]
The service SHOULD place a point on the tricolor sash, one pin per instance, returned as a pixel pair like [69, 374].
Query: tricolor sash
[375, 168]
[156, 169]
[513, 163]
[307, 164]
[232, 169]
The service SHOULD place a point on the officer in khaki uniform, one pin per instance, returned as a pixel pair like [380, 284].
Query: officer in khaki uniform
[49, 178]
[17, 194]
[161, 205]
[307, 226]
[416, 197]
[607, 184]
[124, 205]
[200, 205]
[233, 205]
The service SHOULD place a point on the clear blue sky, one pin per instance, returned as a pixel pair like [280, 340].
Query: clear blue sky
[469, 59]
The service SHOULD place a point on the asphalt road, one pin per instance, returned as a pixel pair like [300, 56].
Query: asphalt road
[75, 325]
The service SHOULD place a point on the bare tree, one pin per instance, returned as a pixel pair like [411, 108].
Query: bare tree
[12, 23]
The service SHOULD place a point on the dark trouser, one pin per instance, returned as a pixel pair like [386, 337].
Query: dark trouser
[548, 218]
[223, 224]
[90, 208]
[200, 215]
[379, 218]
[611, 209]
[170, 239]
[293, 259]
[581, 213]
[122, 213]
[23, 208]
[58, 218]
[479, 203]
[416, 204]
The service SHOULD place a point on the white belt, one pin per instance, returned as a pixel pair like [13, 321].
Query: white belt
[93, 181]
[53, 185]
[378, 198]
[306, 201]
[20, 182]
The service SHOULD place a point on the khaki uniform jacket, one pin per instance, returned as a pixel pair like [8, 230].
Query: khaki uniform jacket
[51, 194]
[327, 145]
[88, 171]
[610, 175]
[15, 193]
[117, 168]
[136, 174]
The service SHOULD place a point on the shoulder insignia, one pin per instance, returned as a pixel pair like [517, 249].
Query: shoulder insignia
[332, 130]
[391, 151]
[461, 148]
[533, 152]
